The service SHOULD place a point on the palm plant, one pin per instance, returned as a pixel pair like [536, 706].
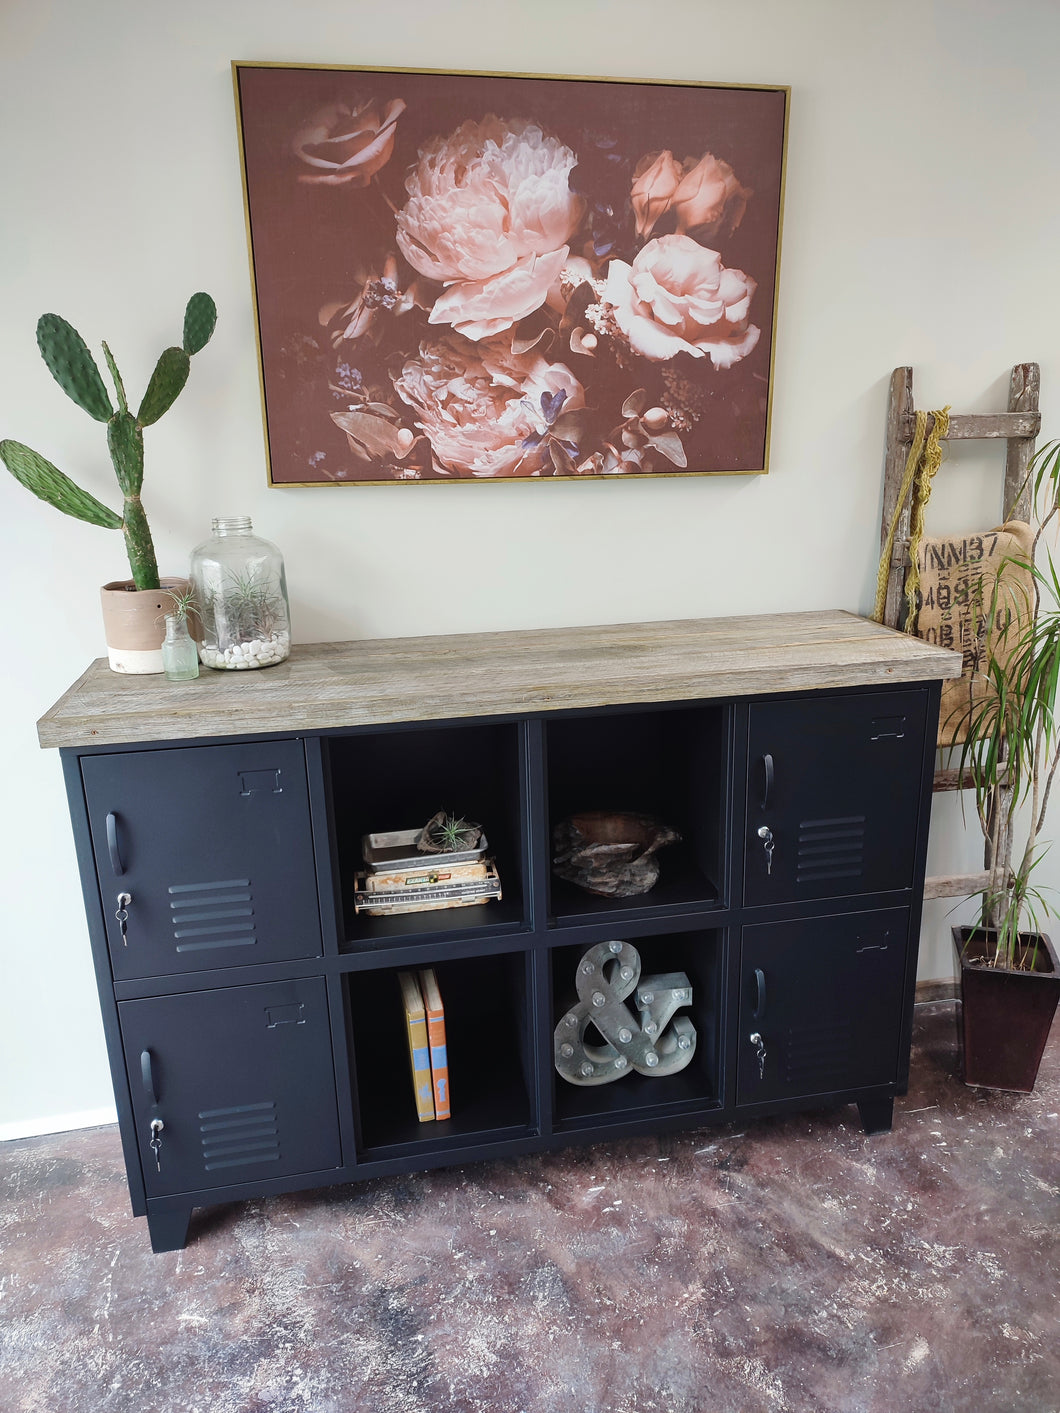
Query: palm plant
[1011, 744]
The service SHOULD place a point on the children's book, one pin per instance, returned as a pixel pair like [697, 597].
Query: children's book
[432, 1000]
[419, 1048]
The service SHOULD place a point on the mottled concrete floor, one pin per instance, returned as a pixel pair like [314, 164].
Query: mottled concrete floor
[791, 1265]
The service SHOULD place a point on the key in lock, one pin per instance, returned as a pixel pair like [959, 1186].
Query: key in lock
[760, 1048]
[155, 1142]
[769, 844]
[122, 917]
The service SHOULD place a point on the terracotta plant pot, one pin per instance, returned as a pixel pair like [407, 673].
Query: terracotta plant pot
[134, 623]
[1005, 1014]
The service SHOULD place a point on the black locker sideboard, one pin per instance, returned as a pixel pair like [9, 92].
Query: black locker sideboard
[253, 1018]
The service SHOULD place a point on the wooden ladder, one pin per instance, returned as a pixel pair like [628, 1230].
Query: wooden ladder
[1017, 427]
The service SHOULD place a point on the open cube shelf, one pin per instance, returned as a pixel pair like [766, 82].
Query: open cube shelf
[487, 1028]
[385, 781]
[699, 956]
[668, 763]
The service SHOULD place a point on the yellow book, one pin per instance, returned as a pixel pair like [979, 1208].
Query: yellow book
[432, 1000]
[419, 1048]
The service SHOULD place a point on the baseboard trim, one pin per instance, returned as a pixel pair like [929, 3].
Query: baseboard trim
[941, 990]
[58, 1123]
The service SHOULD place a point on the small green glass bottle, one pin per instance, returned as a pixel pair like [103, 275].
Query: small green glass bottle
[180, 657]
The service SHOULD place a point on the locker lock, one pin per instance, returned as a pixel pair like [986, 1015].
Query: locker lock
[768, 844]
[122, 916]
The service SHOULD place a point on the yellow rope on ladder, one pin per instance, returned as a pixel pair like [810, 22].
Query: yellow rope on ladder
[924, 459]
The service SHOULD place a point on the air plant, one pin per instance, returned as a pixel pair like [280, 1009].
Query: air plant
[246, 605]
[448, 834]
[75, 370]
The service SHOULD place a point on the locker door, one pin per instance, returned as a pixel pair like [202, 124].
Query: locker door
[824, 996]
[212, 846]
[832, 793]
[241, 1079]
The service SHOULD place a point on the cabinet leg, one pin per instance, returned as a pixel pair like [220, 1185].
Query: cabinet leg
[876, 1114]
[169, 1230]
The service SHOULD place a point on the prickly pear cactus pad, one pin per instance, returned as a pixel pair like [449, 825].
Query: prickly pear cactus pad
[75, 370]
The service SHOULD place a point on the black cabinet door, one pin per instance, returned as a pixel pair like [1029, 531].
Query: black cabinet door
[242, 1080]
[820, 1005]
[833, 788]
[212, 845]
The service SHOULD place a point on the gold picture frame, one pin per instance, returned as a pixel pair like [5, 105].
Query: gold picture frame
[488, 277]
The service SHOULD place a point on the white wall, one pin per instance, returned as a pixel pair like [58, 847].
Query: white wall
[922, 206]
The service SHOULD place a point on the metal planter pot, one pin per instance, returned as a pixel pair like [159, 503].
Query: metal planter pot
[1005, 1015]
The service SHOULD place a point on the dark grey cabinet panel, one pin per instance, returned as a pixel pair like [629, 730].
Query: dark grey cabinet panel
[833, 792]
[242, 1080]
[824, 998]
[213, 847]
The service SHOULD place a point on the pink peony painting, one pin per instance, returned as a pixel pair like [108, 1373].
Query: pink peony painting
[468, 277]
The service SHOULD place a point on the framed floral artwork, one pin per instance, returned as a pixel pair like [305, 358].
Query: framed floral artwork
[484, 277]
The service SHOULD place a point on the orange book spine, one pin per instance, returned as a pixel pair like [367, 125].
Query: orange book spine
[432, 1000]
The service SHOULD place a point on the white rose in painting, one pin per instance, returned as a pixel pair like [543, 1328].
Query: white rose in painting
[677, 297]
[490, 214]
[484, 409]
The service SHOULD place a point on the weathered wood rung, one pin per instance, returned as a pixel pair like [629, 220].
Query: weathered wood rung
[900, 554]
[961, 780]
[952, 780]
[970, 426]
[958, 885]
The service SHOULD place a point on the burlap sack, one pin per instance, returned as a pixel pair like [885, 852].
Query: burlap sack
[958, 575]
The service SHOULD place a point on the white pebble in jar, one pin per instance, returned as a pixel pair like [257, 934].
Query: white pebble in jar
[238, 657]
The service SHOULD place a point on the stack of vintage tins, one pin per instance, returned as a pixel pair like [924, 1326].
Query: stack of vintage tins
[397, 878]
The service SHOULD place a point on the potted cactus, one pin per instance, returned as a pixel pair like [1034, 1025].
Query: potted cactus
[133, 610]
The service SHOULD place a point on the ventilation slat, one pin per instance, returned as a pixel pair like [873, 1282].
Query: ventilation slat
[245, 1133]
[236, 1109]
[241, 1162]
[205, 931]
[830, 849]
[212, 946]
[214, 914]
[248, 1122]
[204, 902]
[269, 1144]
[201, 887]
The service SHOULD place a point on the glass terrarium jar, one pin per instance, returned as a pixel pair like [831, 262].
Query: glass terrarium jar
[241, 596]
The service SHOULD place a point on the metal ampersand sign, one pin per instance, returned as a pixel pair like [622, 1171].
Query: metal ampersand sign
[647, 1042]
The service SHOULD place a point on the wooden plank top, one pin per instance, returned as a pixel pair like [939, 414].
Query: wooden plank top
[382, 680]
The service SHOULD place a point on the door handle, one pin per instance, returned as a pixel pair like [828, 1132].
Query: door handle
[147, 1074]
[112, 845]
[767, 779]
[760, 994]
